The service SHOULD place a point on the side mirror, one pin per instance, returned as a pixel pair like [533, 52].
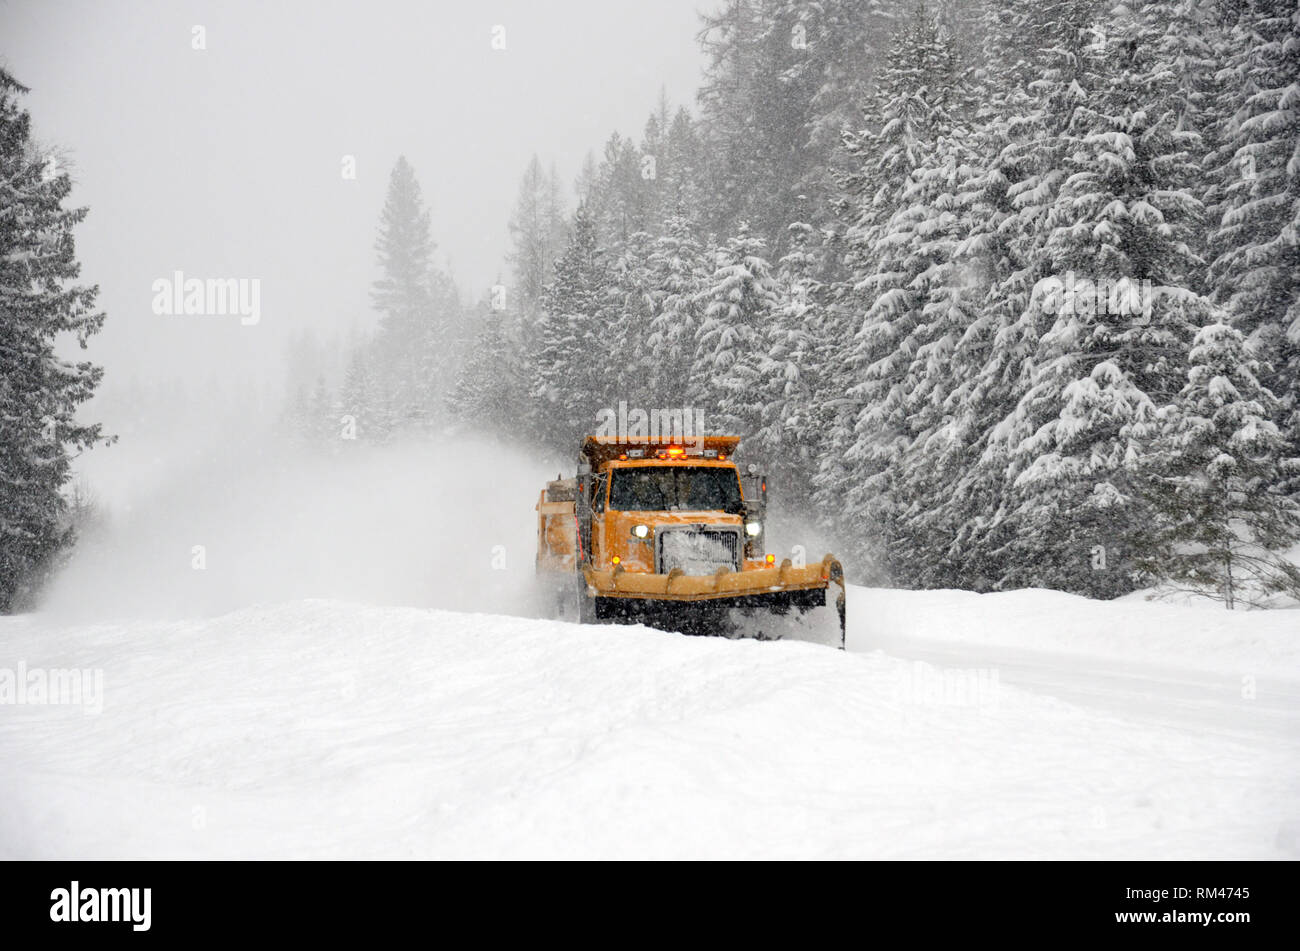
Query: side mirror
[755, 485]
[755, 509]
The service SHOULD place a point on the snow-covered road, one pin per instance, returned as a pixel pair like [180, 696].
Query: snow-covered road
[1190, 700]
[321, 728]
[1244, 686]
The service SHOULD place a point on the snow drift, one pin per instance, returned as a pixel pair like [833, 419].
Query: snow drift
[324, 729]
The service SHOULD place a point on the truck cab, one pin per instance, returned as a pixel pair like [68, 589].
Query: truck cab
[656, 510]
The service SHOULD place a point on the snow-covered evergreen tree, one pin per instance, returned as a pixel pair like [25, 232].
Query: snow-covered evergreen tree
[1119, 316]
[680, 171]
[574, 368]
[736, 303]
[796, 356]
[928, 387]
[417, 305]
[1256, 200]
[1034, 60]
[1223, 525]
[39, 389]
[783, 79]
[491, 390]
[677, 271]
[633, 300]
[405, 248]
[364, 411]
[899, 247]
[537, 234]
[618, 203]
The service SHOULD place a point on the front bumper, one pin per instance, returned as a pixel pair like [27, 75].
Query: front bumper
[724, 584]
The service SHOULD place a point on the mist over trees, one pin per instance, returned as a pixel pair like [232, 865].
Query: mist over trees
[395, 379]
[1004, 293]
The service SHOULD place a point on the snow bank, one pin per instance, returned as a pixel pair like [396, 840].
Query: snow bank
[1235, 642]
[323, 729]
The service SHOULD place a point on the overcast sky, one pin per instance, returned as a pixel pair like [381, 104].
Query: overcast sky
[226, 161]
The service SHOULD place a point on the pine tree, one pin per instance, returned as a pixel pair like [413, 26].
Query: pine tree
[653, 158]
[927, 388]
[730, 131]
[783, 79]
[841, 44]
[405, 256]
[793, 362]
[633, 301]
[737, 301]
[619, 197]
[1224, 525]
[537, 233]
[899, 247]
[417, 307]
[681, 171]
[308, 415]
[588, 180]
[39, 390]
[365, 412]
[1118, 320]
[438, 348]
[677, 274]
[490, 389]
[1035, 58]
[1255, 272]
[573, 362]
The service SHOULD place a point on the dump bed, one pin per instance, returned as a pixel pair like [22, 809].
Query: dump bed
[557, 527]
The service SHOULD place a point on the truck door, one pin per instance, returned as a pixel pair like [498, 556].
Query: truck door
[600, 488]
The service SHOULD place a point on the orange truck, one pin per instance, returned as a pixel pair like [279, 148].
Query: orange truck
[675, 536]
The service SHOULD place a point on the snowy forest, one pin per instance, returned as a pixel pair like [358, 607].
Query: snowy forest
[1003, 293]
[1008, 294]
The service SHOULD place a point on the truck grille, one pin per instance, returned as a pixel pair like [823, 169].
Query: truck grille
[697, 551]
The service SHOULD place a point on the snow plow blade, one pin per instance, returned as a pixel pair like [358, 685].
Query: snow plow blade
[780, 602]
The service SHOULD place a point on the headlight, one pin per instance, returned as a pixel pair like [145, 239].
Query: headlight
[753, 528]
[640, 531]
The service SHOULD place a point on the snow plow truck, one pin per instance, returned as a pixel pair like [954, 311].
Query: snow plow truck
[674, 536]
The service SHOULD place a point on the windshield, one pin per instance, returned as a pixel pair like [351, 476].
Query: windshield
[665, 488]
